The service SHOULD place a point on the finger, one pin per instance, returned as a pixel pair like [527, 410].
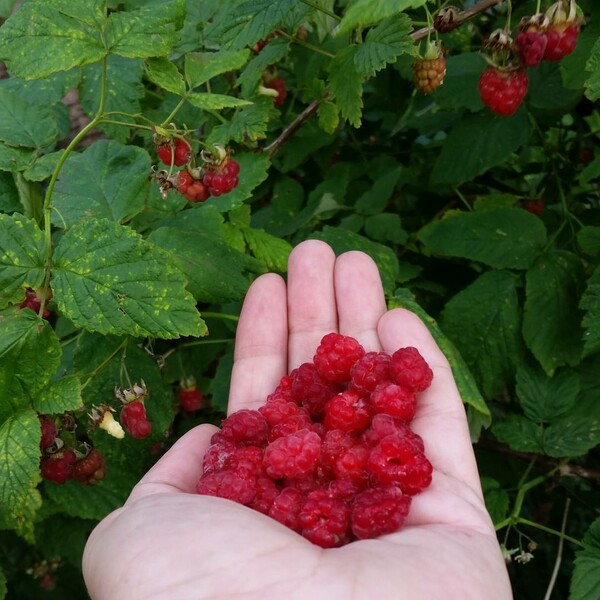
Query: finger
[311, 299]
[260, 358]
[179, 470]
[359, 297]
[440, 418]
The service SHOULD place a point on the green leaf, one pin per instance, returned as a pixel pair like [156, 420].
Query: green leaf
[377, 196]
[29, 357]
[165, 74]
[106, 278]
[572, 435]
[573, 76]
[496, 499]
[364, 13]
[25, 124]
[592, 85]
[108, 180]
[467, 387]
[9, 195]
[20, 438]
[215, 101]
[546, 90]
[386, 227]
[202, 66]
[15, 159]
[43, 167]
[585, 580]
[501, 237]
[520, 434]
[346, 84]
[43, 37]
[545, 398]
[551, 320]
[124, 90]
[483, 321]
[588, 238]
[21, 257]
[590, 303]
[275, 51]
[43, 92]
[270, 250]
[60, 396]
[148, 31]
[329, 116]
[478, 142]
[461, 82]
[383, 44]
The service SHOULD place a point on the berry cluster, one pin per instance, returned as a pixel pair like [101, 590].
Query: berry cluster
[174, 152]
[331, 454]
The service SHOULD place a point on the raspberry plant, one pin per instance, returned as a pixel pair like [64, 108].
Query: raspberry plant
[285, 121]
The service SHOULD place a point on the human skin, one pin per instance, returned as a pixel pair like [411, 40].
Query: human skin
[167, 542]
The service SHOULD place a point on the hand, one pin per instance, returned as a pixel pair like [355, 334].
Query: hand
[167, 542]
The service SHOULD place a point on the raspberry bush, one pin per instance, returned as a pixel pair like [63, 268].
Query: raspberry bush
[146, 178]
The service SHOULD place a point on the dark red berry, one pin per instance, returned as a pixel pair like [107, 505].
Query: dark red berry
[176, 152]
[49, 432]
[134, 419]
[58, 467]
[295, 455]
[562, 40]
[503, 91]
[90, 469]
[324, 520]
[278, 84]
[190, 399]
[535, 207]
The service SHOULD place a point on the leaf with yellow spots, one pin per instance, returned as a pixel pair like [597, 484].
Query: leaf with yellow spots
[106, 278]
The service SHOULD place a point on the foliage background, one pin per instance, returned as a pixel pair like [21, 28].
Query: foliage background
[432, 187]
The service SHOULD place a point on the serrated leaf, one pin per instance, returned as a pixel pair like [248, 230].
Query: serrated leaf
[546, 91]
[520, 434]
[202, 66]
[383, 44]
[43, 92]
[386, 227]
[551, 320]
[273, 52]
[43, 37]
[572, 435]
[270, 250]
[592, 66]
[590, 303]
[21, 257]
[329, 116]
[108, 180]
[478, 142]
[545, 398]
[207, 101]
[467, 387]
[591, 171]
[59, 396]
[124, 90]
[460, 88]
[585, 580]
[165, 74]
[363, 13]
[496, 499]
[25, 124]
[29, 357]
[376, 198]
[20, 438]
[43, 167]
[483, 321]
[9, 195]
[500, 237]
[106, 278]
[147, 31]
[573, 76]
[15, 159]
[346, 84]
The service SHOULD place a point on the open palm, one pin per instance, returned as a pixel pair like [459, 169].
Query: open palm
[167, 542]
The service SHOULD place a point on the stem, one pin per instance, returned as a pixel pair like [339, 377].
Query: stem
[508, 15]
[561, 543]
[538, 7]
[305, 44]
[462, 198]
[549, 530]
[125, 124]
[104, 363]
[215, 315]
[173, 113]
[196, 343]
[322, 9]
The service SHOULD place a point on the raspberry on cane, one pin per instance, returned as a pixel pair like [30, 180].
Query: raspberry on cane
[58, 467]
[503, 91]
[90, 469]
[531, 40]
[430, 69]
[563, 30]
[135, 421]
[190, 397]
[222, 179]
[49, 432]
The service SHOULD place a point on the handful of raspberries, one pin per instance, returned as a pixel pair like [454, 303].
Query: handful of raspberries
[331, 454]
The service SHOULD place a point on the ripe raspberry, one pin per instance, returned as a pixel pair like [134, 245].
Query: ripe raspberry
[371, 369]
[310, 389]
[276, 412]
[292, 425]
[394, 400]
[283, 391]
[133, 417]
[428, 74]
[397, 460]
[503, 91]
[190, 188]
[535, 207]
[278, 84]
[222, 179]
[378, 511]
[384, 425]
[562, 40]
[49, 432]
[335, 444]
[184, 180]
[347, 411]
[335, 356]
[344, 489]
[229, 485]
[90, 469]
[324, 520]
[216, 456]
[247, 427]
[266, 493]
[33, 300]
[293, 456]
[531, 40]
[58, 467]
[245, 461]
[286, 506]
[176, 152]
[409, 369]
[190, 399]
[352, 464]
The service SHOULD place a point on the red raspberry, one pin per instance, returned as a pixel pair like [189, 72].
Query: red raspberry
[90, 469]
[216, 456]
[344, 489]
[245, 461]
[336, 443]
[33, 300]
[133, 417]
[229, 485]
[503, 91]
[315, 481]
[58, 467]
[347, 411]
[428, 74]
[266, 493]
[293, 456]
[222, 179]
[276, 412]
[310, 389]
[397, 460]
[531, 40]
[286, 506]
[278, 84]
[247, 427]
[283, 391]
[291, 425]
[409, 369]
[49, 432]
[378, 511]
[190, 399]
[184, 180]
[535, 207]
[197, 192]
[324, 520]
[335, 356]
[384, 425]
[371, 369]
[562, 40]
[352, 463]
[394, 400]
[176, 152]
